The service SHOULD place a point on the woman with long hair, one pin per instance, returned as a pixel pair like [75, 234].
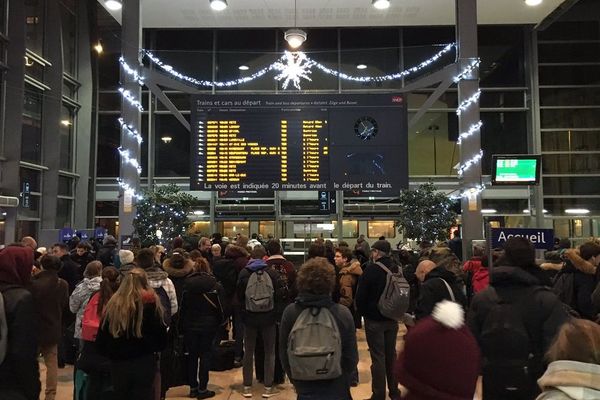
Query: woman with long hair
[130, 334]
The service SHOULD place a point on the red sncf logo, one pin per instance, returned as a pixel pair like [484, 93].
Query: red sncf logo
[397, 99]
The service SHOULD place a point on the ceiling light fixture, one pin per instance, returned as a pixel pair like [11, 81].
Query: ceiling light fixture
[98, 47]
[527, 211]
[295, 37]
[66, 122]
[218, 5]
[166, 139]
[113, 5]
[488, 211]
[198, 212]
[533, 3]
[361, 66]
[577, 211]
[380, 4]
[243, 68]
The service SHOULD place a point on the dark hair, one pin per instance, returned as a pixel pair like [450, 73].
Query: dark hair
[564, 243]
[83, 245]
[345, 252]
[258, 252]
[519, 252]
[254, 236]
[273, 247]
[51, 263]
[145, 258]
[381, 238]
[178, 258]
[577, 340]
[108, 286]
[316, 249]
[343, 243]
[194, 254]
[61, 246]
[93, 269]
[316, 276]
[478, 251]
[589, 250]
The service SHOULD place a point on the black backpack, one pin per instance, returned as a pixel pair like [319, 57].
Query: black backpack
[512, 362]
[166, 304]
[564, 287]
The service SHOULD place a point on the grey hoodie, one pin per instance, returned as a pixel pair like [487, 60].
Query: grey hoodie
[80, 297]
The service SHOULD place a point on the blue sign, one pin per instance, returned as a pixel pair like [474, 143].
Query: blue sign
[540, 238]
[66, 234]
[99, 233]
[25, 195]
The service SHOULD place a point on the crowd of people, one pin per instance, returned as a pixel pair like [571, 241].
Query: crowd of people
[136, 322]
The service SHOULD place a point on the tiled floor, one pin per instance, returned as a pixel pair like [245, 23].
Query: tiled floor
[228, 384]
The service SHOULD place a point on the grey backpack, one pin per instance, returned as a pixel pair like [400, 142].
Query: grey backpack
[314, 346]
[395, 298]
[260, 294]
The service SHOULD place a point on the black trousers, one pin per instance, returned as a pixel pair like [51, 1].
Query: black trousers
[259, 360]
[133, 379]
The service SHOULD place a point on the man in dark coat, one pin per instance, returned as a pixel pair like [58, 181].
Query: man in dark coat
[51, 296]
[539, 310]
[70, 271]
[107, 254]
[437, 283]
[19, 373]
[381, 332]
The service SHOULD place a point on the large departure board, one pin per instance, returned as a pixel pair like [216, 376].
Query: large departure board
[299, 142]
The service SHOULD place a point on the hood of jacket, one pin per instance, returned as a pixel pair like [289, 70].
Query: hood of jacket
[507, 275]
[577, 380]
[256, 264]
[199, 282]
[156, 274]
[441, 272]
[353, 268]
[16, 264]
[92, 284]
[305, 300]
[579, 263]
[175, 272]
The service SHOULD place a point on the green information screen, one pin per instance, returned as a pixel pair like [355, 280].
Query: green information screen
[516, 170]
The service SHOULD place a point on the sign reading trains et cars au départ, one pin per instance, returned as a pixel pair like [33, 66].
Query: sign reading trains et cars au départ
[540, 238]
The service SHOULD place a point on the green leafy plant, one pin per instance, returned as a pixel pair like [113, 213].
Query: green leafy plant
[162, 214]
[425, 214]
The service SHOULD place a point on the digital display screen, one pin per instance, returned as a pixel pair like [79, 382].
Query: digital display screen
[299, 142]
[515, 170]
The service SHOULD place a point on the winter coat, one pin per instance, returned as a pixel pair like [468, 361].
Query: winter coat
[128, 347]
[260, 319]
[157, 278]
[480, 276]
[584, 284]
[70, 272]
[202, 304]
[370, 287]
[107, 255]
[348, 282]
[19, 372]
[512, 282]
[338, 388]
[227, 269]
[433, 290]
[79, 299]
[285, 267]
[570, 380]
[178, 275]
[51, 296]
[83, 260]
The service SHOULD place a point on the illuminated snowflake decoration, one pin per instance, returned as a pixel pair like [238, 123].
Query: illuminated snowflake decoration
[293, 67]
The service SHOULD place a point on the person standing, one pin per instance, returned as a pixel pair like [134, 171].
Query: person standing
[82, 255]
[130, 334]
[92, 277]
[381, 332]
[19, 373]
[456, 245]
[316, 281]
[437, 284]
[51, 296]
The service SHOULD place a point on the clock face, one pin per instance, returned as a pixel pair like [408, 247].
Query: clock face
[366, 128]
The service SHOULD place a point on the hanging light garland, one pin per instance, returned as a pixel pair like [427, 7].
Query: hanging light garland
[128, 189]
[470, 132]
[126, 155]
[292, 67]
[472, 192]
[130, 131]
[468, 102]
[472, 161]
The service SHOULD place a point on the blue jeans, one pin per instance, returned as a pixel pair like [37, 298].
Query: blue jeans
[199, 346]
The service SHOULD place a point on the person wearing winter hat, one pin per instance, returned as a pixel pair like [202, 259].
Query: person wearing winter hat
[574, 370]
[427, 368]
[126, 258]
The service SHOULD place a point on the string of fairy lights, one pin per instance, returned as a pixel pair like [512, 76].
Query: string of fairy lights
[291, 68]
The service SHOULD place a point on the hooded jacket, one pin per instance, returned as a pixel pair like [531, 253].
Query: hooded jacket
[370, 287]
[19, 371]
[51, 296]
[348, 282]
[584, 283]
[570, 380]
[335, 389]
[178, 274]
[227, 269]
[261, 319]
[434, 290]
[80, 297]
[157, 278]
[202, 304]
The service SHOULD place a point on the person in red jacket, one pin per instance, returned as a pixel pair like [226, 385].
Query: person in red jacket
[477, 274]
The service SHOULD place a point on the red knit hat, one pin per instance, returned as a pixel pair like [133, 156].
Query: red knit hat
[441, 357]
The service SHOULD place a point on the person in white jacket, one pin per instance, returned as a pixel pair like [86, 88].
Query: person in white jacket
[83, 291]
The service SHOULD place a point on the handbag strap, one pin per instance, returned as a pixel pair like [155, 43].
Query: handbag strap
[383, 267]
[212, 303]
[449, 289]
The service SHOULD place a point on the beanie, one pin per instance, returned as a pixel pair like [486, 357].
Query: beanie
[383, 246]
[441, 357]
[126, 256]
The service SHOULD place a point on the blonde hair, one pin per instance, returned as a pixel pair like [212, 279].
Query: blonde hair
[577, 340]
[125, 309]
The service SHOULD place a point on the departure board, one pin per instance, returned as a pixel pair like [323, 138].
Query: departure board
[301, 142]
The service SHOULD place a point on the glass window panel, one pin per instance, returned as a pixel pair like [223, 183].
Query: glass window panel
[199, 228]
[414, 55]
[571, 30]
[65, 186]
[448, 99]
[34, 208]
[26, 228]
[571, 163]
[580, 96]
[66, 138]
[33, 68]
[3, 15]
[172, 157]
[507, 99]
[64, 211]
[433, 135]
[110, 101]
[109, 69]
[376, 229]
[571, 186]
[571, 140]
[569, 75]
[32, 177]
[107, 208]
[109, 139]
[31, 139]
[320, 46]
[505, 206]
[502, 133]
[181, 100]
[349, 229]
[34, 25]
[567, 52]
[570, 118]
[501, 49]
[558, 206]
[420, 43]
[266, 228]
[110, 224]
[232, 228]
[69, 37]
[70, 90]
